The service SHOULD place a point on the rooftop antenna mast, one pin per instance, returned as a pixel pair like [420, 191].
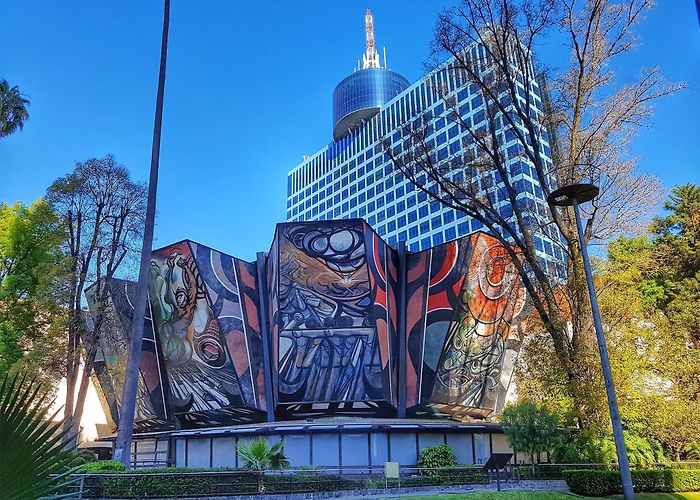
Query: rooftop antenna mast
[370, 59]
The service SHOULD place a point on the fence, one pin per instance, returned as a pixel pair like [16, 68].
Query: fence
[138, 484]
[205, 483]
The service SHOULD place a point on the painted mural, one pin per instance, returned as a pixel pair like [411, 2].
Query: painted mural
[333, 304]
[329, 353]
[465, 303]
[110, 362]
[212, 357]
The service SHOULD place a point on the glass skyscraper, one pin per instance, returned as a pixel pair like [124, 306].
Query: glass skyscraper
[354, 176]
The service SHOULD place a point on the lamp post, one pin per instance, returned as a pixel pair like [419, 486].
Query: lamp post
[574, 195]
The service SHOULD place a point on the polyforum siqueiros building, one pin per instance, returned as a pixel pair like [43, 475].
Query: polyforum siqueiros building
[351, 350]
[354, 177]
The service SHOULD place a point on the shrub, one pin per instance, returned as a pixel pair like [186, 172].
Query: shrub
[531, 428]
[588, 448]
[101, 466]
[174, 482]
[602, 483]
[433, 457]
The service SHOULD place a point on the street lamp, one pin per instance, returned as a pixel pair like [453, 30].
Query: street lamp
[574, 195]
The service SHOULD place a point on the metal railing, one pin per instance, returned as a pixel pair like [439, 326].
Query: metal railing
[364, 480]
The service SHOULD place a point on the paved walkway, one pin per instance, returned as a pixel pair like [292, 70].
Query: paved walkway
[545, 485]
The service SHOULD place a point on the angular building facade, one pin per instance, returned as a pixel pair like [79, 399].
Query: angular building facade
[332, 325]
[354, 175]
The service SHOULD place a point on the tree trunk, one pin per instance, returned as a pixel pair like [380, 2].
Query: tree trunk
[126, 418]
[83, 388]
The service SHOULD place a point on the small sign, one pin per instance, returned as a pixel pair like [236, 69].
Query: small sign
[391, 470]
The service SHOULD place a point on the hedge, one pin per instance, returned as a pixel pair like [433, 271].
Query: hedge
[170, 483]
[600, 483]
[102, 466]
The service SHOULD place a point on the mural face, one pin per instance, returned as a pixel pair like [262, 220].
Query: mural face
[462, 349]
[114, 325]
[212, 356]
[333, 292]
[330, 354]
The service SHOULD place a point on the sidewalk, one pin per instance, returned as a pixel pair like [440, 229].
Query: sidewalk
[543, 485]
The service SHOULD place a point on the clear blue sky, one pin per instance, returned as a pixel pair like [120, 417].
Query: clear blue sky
[248, 93]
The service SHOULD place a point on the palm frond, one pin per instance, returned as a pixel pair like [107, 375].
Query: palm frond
[33, 460]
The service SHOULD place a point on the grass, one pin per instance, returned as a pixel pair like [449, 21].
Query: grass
[545, 495]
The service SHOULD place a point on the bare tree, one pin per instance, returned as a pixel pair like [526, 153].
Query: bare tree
[103, 211]
[585, 125]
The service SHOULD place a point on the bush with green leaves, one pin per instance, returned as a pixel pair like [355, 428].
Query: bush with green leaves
[33, 460]
[437, 456]
[174, 482]
[600, 483]
[600, 449]
[531, 428]
[102, 466]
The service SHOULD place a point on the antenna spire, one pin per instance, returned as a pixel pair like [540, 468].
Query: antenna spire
[370, 59]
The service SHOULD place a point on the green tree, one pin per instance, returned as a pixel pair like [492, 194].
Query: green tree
[531, 428]
[31, 282]
[677, 254]
[13, 109]
[648, 299]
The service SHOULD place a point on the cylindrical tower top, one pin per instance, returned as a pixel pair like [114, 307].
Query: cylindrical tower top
[359, 96]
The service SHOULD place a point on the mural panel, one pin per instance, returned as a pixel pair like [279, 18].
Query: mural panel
[462, 349]
[114, 325]
[205, 343]
[329, 347]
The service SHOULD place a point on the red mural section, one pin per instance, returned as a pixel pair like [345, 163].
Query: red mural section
[382, 266]
[465, 306]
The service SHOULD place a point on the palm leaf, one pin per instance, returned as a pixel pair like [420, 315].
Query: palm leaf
[258, 455]
[33, 460]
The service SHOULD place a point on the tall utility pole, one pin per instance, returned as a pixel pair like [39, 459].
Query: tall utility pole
[573, 196]
[122, 448]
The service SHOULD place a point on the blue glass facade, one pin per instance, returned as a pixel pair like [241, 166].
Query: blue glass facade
[360, 95]
[354, 176]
